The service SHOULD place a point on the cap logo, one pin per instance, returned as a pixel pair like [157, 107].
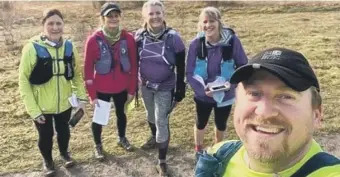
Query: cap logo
[272, 55]
[256, 66]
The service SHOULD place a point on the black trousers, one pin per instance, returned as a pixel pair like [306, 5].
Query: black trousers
[119, 100]
[203, 111]
[46, 132]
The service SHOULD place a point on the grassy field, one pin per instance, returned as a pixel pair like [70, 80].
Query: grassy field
[312, 29]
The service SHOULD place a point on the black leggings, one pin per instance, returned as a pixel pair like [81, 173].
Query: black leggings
[203, 111]
[119, 100]
[46, 132]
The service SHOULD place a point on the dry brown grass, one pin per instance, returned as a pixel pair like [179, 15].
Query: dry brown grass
[312, 29]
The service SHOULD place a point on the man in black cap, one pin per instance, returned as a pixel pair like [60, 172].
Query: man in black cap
[277, 109]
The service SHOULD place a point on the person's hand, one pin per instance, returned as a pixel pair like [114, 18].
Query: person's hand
[227, 84]
[40, 119]
[95, 102]
[180, 92]
[82, 105]
[208, 93]
[140, 82]
[129, 99]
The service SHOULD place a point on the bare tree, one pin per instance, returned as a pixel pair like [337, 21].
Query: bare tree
[6, 5]
[212, 3]
[7, 16]
[97, 4]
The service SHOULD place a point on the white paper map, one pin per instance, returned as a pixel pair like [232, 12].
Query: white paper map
[101, 113]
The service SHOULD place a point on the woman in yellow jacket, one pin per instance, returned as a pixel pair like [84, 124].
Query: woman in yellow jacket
[48, 76]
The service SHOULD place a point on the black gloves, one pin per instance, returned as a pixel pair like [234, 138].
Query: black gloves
[180, 92]
[180, 71]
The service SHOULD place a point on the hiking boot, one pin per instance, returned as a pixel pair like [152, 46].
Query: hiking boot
[49, 169]
[162, 170]
[124, 143]
[68, 160]
[99, 153]
[150, 143]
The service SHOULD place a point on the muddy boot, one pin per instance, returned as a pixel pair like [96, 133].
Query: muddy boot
[124, 143]
[99, 153]
[162, 170]
[68, 160]
[149, 144]
[49, 169]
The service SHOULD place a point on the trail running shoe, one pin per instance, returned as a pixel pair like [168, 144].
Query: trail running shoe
[150, 143]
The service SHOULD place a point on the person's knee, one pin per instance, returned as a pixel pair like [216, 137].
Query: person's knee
[151, 116]
[162, 136]
[221, 127]
[46, 135]
[200, 125]
[161, 124]
[64, 132]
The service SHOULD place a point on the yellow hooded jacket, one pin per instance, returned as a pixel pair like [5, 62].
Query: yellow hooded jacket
[52, 96]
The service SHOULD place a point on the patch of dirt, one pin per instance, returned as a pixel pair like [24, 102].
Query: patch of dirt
[181, 164]
[142, 165]
[330, 143]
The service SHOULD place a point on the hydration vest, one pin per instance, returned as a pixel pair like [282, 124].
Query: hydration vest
[227, 62]
[105, 63]
[43, 70]
[168, 50]
[209, 165]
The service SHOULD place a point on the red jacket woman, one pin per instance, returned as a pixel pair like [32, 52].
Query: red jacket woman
[117, 80]
[111, 71]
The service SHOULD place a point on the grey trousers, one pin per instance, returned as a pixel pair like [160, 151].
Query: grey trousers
[157, 105]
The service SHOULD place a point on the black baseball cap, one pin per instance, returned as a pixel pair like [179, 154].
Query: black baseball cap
[108, 7]
[288, 65]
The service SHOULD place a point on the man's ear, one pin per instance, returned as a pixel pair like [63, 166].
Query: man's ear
[317, 116]
[237, 90]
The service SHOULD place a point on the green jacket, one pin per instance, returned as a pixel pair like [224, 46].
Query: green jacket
[51, 97]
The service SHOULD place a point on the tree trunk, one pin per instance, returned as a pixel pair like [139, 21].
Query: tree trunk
[212, 3]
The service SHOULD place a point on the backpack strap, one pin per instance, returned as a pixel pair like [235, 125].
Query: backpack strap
[104, 47]
[319, 160]
[139, 35]
[227, 51]
[169, 43]
[168, 31]
[68, 58]
[68, 48]
[225, 153]
[124, 56]
[202, 51]
[214, 165]
[42, 51]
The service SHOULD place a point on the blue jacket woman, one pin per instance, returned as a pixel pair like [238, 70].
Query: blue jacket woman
[212, 57]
